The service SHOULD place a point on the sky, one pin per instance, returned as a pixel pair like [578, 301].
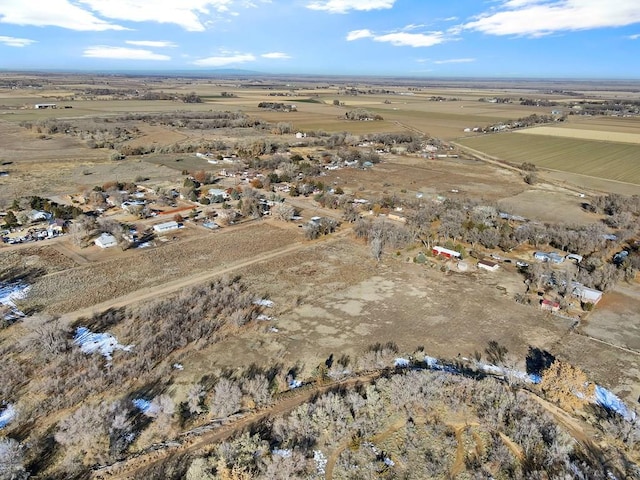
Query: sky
[415, 38]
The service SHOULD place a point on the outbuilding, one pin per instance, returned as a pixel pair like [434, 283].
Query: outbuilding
[445, 252]
[586, 294]
[106, 240]
[488, 265]
[166, 227]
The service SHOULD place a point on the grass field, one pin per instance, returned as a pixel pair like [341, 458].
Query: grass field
[614, 161]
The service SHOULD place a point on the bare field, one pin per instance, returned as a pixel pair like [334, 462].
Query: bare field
[326, 305]
[605, 124]
[549, 205]
[598, 135]
[138, 269]
[613, 161]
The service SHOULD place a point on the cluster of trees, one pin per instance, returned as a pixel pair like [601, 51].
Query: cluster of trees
[277, 106]
[362, 114]
[380, 233]
[608, 107]
[533, 119]
[196, 120]
[65, 212]
[95, 136]
[413, 143]
[191, 97]
[324, 226]
[92, 430]
[514, 436]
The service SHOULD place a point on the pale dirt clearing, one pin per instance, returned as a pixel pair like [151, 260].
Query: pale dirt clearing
[600, 135]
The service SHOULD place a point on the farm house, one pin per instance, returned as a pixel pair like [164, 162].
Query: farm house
[166, 227]
[445, 252]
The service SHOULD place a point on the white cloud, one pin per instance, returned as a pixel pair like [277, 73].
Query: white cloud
[343, 6]
[96, 15]
[358, 34]
[122, 53]
[634, 37]
[404, 39]
[16, 42]
[536, 18]
[151, 43]
[401, 39]
[276, 55]
[224, 60]
[184, 13]
[56, 13]
[454, 60]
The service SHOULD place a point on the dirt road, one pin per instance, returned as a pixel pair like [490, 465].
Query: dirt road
[156, 292]
[200, 443]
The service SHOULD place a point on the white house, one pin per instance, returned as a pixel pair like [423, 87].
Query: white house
[106, 240]
[166, 227]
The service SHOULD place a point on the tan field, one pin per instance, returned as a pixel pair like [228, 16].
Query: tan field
[583, 134]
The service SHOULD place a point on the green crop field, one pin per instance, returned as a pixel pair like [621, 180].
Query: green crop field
[614, 161]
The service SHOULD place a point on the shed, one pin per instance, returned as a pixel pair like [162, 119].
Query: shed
[550, 305]
[574, 256]
[586, 294]
[106, 240]
[166, 227]
[488, 265]
[445, 252]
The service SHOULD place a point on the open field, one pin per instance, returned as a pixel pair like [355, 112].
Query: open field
[604, 124]
[613, 161]
[597, 135]
[138, 269]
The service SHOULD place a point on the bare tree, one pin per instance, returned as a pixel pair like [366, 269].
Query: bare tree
[82, 228]
[11, 460]
[258, 389]
[195, 396]
[375, 244]
[227, 398]
[283, 211]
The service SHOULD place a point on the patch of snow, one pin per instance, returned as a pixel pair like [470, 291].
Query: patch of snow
[401, 363]
[430, 361]
[9, 294]
[263, 302]
[143, 405]
[7, 415]
[611, 401]
[320, 461]
[144, 245]
[490, 368]
[103, 343]
[263, 317]
[282, 452]
[389, 462]
[295, 384]
[178, 366]
[274, 330]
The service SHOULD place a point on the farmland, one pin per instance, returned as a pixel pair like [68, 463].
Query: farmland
[583, 134]
[608, 160]
[312, 262]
